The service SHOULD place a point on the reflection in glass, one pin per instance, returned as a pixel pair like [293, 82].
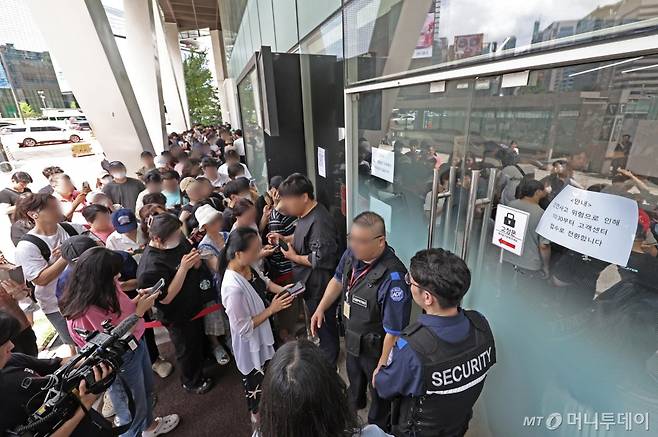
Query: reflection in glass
[390, 36]
[252, 124]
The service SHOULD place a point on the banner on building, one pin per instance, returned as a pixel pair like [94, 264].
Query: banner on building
[467, 46]
[426, 39]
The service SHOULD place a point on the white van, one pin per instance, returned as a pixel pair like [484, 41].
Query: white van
[36, 134]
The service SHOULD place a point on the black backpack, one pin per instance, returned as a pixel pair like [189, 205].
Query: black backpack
[42, 245]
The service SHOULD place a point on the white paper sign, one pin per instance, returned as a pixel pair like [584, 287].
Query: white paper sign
[383, 164]
[510, 229]
[599, 225]
[322, 167]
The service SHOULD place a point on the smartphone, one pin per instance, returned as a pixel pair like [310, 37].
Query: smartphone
[85, 186]
[296, 289]
[283, 245]
[157, 287]
[15, 274]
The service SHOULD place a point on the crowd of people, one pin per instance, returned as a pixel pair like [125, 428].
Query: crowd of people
[251, 278]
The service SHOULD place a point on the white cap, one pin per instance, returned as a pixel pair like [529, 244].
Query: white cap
[205, 214]
[160, 161]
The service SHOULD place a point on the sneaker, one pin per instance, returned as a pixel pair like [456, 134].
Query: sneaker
[203, 388]
[221, 355]
[162, 368]
[108, 409]
[164, 425]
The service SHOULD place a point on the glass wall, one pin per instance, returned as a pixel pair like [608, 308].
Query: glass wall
[252, 127]
[576, 334]
[391, 36]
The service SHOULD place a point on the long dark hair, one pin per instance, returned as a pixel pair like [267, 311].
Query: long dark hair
[92, 283]
[238, 241]
[304, 396]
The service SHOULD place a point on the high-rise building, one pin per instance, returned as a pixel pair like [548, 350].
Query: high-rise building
[32, 77]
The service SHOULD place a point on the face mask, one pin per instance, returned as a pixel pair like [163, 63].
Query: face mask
[119, 175]
[106, 180]
[172, 244]
[214, 147]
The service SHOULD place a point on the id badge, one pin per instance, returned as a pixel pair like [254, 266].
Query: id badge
[346, 310]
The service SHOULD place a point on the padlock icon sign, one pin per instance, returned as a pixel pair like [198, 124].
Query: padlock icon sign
[509, 220]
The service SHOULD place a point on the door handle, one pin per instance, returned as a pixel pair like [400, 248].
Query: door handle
[470, 212]
[435, 200]
[487, 213]
[474, 202]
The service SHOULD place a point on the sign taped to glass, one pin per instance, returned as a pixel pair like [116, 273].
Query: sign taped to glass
[599, 225]
[383, 164]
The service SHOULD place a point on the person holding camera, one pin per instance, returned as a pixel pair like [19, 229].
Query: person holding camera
[244, 297]
[23, 383]
[92, 296]
[188, 285]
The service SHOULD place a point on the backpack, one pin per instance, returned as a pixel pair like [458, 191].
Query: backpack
[42, 245]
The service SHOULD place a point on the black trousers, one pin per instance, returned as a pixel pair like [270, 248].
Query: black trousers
[26, 342]
[149, 336]
[188, 339]
[328, 332]
[359, 373]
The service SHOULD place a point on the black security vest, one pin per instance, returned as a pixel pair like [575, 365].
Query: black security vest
[364, 329]
[453, 377]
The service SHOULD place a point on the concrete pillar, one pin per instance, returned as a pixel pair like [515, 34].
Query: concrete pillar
[90, 60]
[171, 93]
[219, 67]
[143, 67]
[176, 58]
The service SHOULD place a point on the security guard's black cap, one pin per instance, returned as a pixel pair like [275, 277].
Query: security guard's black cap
[9, 327]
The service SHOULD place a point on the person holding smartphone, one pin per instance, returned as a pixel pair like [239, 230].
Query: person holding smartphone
[188, 285]
[244, 297]
[92, 296]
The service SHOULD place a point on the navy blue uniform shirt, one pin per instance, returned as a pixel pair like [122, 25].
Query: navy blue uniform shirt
[403, 376]
[393, 295]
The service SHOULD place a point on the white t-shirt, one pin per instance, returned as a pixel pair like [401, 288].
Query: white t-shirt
[239, 146]
[117, 241]
[223, 173]
[29, 258]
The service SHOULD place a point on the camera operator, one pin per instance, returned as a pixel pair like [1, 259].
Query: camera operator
[23, 378]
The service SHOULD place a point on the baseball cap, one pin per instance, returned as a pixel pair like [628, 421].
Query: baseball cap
[115, 164]
[186, 183]
[205, 214]
[10, 327]
[76, 246]
[124, 220]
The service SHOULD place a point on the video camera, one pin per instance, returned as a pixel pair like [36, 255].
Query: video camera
[61, 400]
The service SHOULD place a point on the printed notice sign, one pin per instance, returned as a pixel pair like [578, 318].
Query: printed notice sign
[383, 164]
[599, 225]
[510, 229]
[322, 166]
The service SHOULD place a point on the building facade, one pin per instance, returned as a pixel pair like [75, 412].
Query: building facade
[430, 98]
[32, 77]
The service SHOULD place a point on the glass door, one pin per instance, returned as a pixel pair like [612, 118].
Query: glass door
[576, 335]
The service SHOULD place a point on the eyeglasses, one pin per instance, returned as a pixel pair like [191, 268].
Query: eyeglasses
[410, 282]
[362, 240]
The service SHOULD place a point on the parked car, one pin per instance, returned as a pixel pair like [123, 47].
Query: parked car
[36, 134]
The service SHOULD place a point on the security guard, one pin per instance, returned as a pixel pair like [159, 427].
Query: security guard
[376, 305]
[439, 364]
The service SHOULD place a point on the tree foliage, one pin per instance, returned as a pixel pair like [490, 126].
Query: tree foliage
[202, 96]
[27, 110]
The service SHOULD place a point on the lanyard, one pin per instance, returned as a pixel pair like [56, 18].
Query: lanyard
[353, 281]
